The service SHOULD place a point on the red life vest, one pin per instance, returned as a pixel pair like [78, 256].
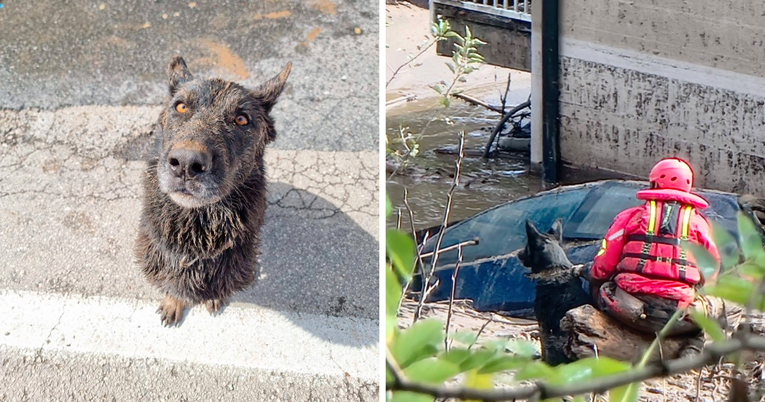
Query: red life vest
[655, 251]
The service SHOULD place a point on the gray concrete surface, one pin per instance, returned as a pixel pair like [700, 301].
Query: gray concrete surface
[82, 85]
[38, 328]
[110, 378]
[55, 54]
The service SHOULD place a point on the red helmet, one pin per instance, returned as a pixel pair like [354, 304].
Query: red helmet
[672, 173]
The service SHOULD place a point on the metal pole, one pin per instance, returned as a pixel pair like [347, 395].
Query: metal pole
[550, 91]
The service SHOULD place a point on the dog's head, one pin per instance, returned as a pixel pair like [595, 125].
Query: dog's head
[543, 250]
[214, 134]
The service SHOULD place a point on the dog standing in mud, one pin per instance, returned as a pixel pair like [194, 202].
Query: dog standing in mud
[558, 287]
[205, 192]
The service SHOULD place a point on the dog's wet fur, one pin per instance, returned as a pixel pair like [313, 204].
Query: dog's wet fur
[205, 191]
[558, 288]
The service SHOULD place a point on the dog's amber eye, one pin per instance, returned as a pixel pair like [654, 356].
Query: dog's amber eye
[241, 120]
[181, 107]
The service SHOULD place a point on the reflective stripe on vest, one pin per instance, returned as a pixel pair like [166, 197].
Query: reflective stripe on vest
[667, 224]
[650, 230]
[687, 210]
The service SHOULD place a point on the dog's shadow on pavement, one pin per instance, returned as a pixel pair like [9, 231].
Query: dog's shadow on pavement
[315, 259]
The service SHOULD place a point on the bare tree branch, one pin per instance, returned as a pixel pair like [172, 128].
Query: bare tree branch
[466, 243]
[475, 101]
[444, 223]
[451, 297]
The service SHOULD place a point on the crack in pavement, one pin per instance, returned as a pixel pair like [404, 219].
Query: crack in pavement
[47, 338]
[98, 151]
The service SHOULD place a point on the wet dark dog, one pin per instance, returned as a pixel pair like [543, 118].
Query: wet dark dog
[558, 287]
[205, 193]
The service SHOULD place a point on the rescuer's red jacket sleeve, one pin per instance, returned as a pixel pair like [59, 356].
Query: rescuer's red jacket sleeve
[610, 252]
[702, 232]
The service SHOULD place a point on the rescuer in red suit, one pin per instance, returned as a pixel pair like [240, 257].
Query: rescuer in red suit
[642, 274]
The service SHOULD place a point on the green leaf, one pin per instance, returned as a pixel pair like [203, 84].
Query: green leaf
[726, 245]
[451, 67]
[406, 396]
[417, 342]
[536, 370]
[437, 88]
[455, 355]
[731, 288]
[401, 251]
[709, 326]
[522, 348]
[464, 337]
[503, 363]
[475, 380]
[478, 359]
[753, 270]
[749, 237]
[704, 259]
[626, 393]
[590, 368]
[392, 297]
[431, 371]
[495, 345]
[388, 206]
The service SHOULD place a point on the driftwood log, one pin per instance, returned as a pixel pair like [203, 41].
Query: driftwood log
[589, 328]
[756, 204]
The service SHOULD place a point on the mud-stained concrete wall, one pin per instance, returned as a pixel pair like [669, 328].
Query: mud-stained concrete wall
[725, 35]
[644, 80]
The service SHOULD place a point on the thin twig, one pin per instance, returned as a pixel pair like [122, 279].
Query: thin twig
[698, 384]
[466, 243]
[425, 49]
[491, 319]
[444, 223]
[451, 296]
[542, 390]
[418, 259]
[507, 90]
[411, 214]
[478, 102]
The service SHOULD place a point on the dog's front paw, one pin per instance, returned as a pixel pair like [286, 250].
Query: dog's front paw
[171, 311]
[215, 306]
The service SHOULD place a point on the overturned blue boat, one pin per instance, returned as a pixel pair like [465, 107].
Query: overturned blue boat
[491, 274]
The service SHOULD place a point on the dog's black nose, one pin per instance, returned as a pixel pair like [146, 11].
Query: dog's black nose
[188, 163]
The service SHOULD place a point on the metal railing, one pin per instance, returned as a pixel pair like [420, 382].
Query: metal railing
[521, 6]
[515, 9]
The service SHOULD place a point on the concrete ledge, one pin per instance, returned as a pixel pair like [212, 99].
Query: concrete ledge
[663, 67]
[66, 376]
[242, 336]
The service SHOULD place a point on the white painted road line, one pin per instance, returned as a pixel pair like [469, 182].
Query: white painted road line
[243, 335]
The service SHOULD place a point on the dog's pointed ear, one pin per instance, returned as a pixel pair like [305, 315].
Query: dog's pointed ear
[178, 73]
[269, 91]
[557, 230]
[532, 234]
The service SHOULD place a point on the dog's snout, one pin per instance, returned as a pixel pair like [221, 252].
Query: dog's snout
[189, 162]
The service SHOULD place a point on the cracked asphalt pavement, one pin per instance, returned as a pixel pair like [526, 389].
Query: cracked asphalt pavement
[82, 85]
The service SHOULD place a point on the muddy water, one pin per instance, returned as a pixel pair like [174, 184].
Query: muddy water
[483, 183]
